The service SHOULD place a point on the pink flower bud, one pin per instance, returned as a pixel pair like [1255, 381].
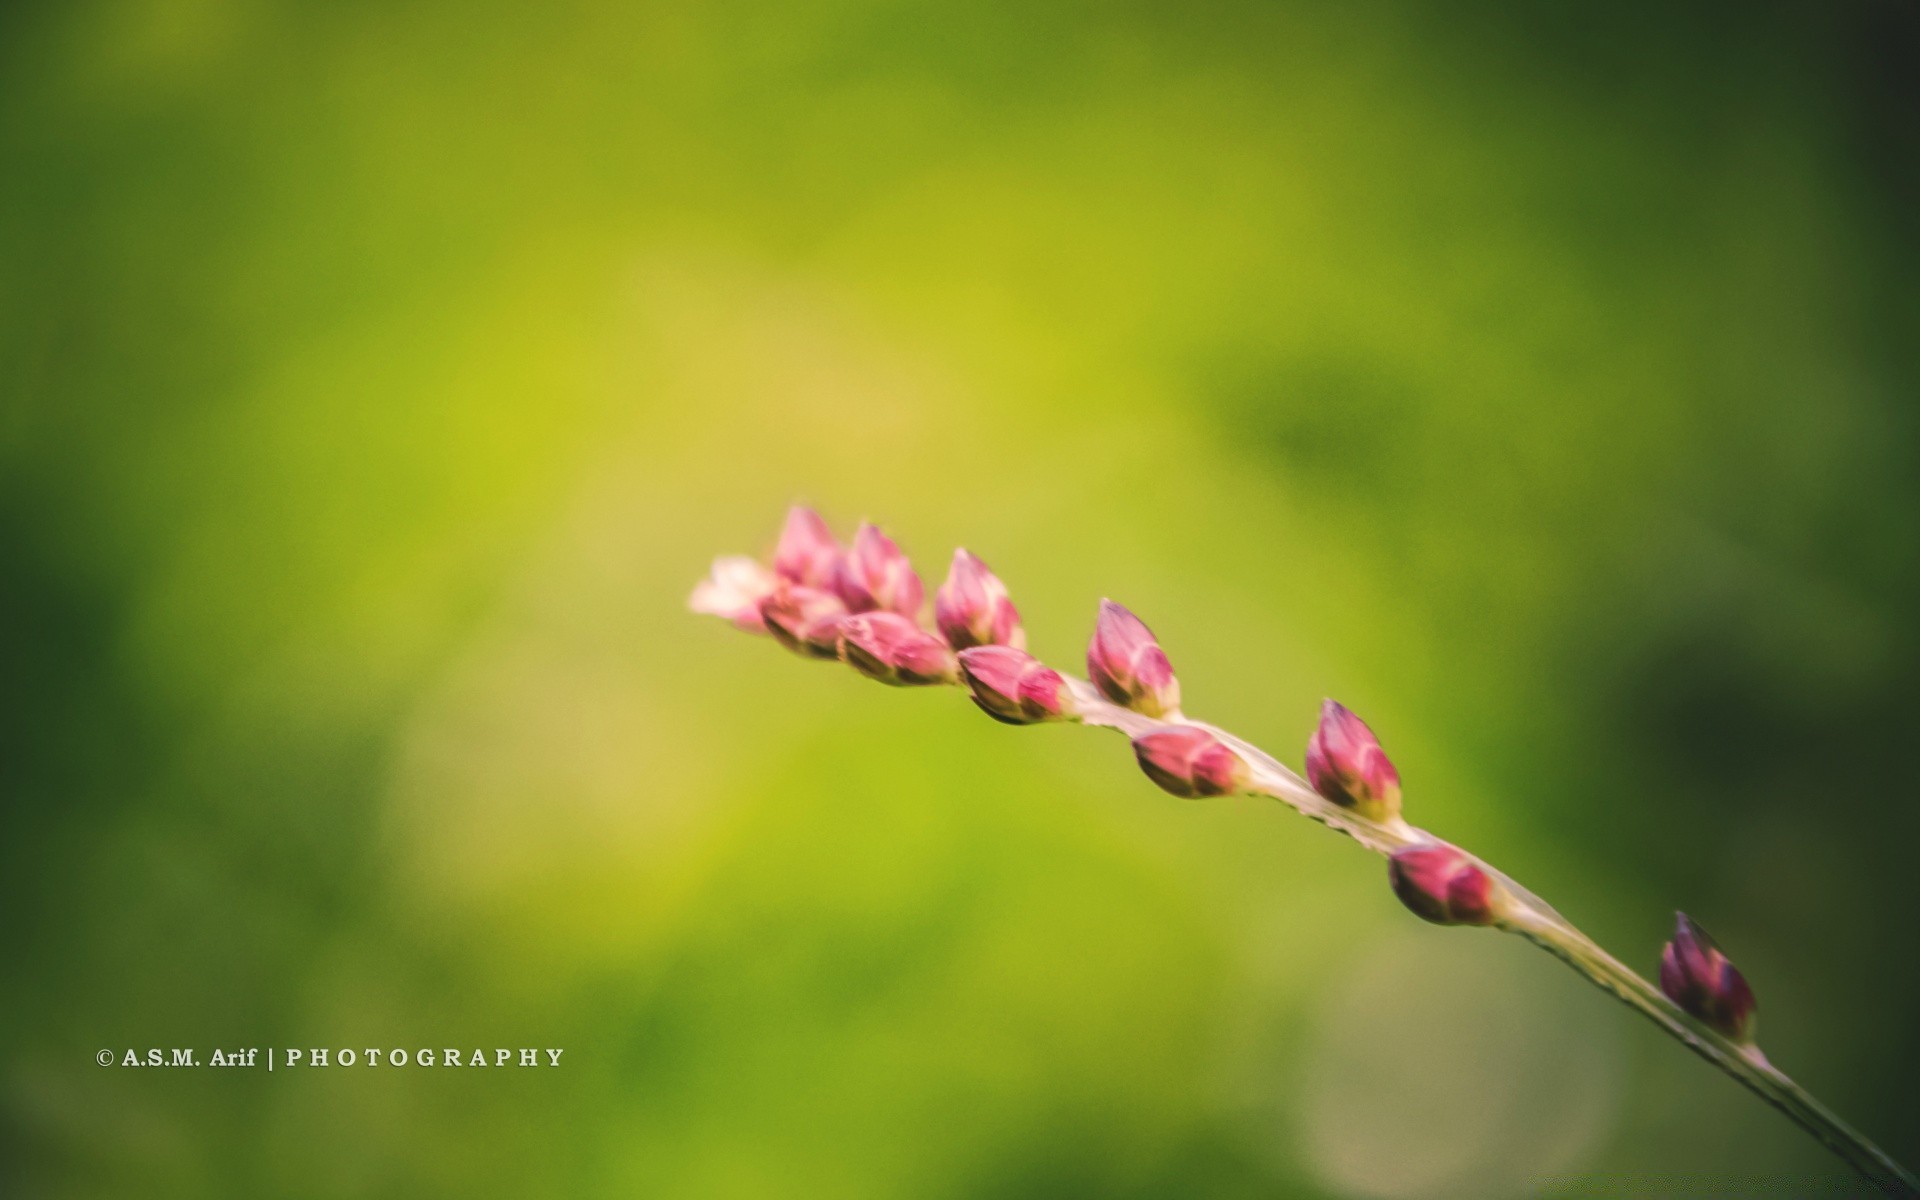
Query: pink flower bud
[1189, 761]
[734, 591]
[1440, 883]
[1696, 976]
[1128, 666]
[1346, 765]
[1014, 686]
[889, 647]
[972, 608]
[804, 620]
[874, 574]
[807, 554]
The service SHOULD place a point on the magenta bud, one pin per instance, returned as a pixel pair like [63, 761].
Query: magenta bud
[734, 591]
[972, 609]
[1014, 686]
[1696, 976]
[1128, 666]
[874, 574]
[1346, 765]
[1189, 761]
[1440, 883]
[888, 647]
[804, 620]
[808, 553]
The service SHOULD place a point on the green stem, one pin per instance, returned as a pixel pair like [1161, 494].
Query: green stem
[1536, 920]
[1743, 1062]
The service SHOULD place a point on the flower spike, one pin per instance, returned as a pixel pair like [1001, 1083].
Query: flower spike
[1440, 883]
[807, 554]
[888, 647]
[972, 608]
[1128, 666]
[874, 574]
[1188, 761]
[1346, 765]
[862, 603]
[804, 620]
[1015, 687]
[1695, 975]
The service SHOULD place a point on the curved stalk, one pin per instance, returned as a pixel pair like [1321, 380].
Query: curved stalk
[1535, 920]
[973, 609]
[1746, 1064]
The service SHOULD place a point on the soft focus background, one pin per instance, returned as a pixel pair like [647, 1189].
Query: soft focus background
[377, 379]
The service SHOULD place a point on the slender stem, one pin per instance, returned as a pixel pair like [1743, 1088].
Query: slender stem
[1744, 1063]
[739, 588]
[1535, 920]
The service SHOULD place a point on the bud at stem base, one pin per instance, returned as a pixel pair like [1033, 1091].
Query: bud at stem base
[1705, 984]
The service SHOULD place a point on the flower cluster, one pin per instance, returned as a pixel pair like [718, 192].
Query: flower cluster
[863, 604]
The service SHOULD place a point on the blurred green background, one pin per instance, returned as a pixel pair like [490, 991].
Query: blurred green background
[379, 378]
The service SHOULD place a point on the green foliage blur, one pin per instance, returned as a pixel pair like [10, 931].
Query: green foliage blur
[377, 379]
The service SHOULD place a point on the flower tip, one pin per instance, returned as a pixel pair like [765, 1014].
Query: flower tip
[733, 590]
[1442, 884]
[1128, 666]
[1190, 762]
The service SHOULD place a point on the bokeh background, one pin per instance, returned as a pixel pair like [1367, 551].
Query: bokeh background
[378, 379]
